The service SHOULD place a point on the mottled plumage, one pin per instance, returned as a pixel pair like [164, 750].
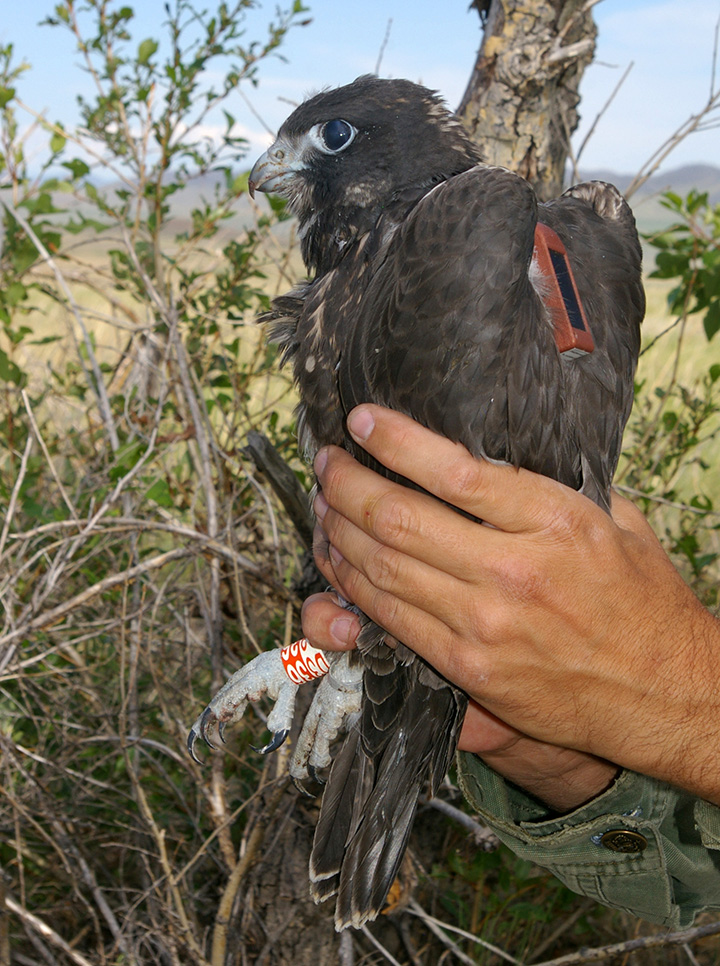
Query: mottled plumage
[424, 299]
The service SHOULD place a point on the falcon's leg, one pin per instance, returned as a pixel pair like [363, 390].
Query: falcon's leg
[336, 700]
[264, 675]
[335, 706]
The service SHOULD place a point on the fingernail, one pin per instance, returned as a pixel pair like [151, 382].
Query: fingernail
[344, 630]
[320, 506]
[335, 555]
[320, 462]
[360, 424]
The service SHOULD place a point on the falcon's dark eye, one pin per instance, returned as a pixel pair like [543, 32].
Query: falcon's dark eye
[336, 135]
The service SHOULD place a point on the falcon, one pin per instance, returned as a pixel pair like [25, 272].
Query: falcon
[440, 287]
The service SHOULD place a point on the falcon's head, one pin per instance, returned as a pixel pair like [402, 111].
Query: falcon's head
[346, 155]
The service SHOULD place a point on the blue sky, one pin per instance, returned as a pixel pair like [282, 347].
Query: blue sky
[670, 43]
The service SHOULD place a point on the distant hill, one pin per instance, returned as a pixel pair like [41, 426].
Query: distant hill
[649, 212]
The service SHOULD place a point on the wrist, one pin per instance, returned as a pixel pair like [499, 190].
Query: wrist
[560, 778]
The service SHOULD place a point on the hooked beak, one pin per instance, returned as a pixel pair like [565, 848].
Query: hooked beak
[276, 169]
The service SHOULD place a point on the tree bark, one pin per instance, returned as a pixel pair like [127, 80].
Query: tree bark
[521, 102]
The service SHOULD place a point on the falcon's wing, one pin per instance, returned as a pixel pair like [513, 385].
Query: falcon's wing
[598, 229]
[453, 332]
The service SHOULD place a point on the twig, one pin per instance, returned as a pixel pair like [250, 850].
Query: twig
[436, 927]
[383, 45]
[346, 953]
[694, 123]
[483, 836]
[222, 918]
[631, 945]
[380, 948]
[55, 614]
[172, 880]
[33, 423]
[68, 135]
[96, 383]
[694, 961]
[601, 112]
[631, 491]
[70, 851]
[15, 491]
[41, 927]
[564, 926]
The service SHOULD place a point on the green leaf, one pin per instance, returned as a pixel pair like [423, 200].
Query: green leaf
[9, 372]
[77, 168]
[145, 51]
[160, 493]
[6, 95]
[57, 142]
[15, 293]
[711, 322]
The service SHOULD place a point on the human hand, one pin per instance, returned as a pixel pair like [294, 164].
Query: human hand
[569, 627]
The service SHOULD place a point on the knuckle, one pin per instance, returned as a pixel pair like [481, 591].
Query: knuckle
[382, 567]
[392, 519]
[464, 478]
[573, 522]
[522, 580]
[494, 625]
[385, 610]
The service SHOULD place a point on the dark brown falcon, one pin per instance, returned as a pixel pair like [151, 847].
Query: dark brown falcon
[428, 295]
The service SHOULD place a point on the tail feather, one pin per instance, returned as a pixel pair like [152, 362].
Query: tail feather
[350, 781]
[374, 785]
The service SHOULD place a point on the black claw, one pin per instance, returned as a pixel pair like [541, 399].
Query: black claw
[221, 731]
[191, 743]
[312, 772]
[206, 718]
[274, 743]
[301, 788]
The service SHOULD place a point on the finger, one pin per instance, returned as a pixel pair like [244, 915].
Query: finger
[510, 499]
[328, 625]
[415, 626]
[400, 518]
[422, 584]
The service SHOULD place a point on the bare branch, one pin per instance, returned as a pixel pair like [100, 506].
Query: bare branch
[42, 928]
[601, 112]
[15, 491]
[55, 614]
[97, 383]
[631, 945]
[437, 927]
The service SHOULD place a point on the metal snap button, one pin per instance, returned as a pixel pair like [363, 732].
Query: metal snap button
[623, 840]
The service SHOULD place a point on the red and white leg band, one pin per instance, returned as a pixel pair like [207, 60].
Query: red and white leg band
[303, 662]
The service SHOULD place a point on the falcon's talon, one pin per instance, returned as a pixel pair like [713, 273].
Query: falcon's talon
[191, 743]
[312, 772]
[206, 719]
[301, 788]
[264, 675]
[275, 742]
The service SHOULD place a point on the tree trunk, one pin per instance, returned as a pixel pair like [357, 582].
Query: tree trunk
[521, 102]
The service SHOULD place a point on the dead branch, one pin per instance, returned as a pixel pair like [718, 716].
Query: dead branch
[659, 941]
[55, 614]
[437, 927]
[42, 928]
